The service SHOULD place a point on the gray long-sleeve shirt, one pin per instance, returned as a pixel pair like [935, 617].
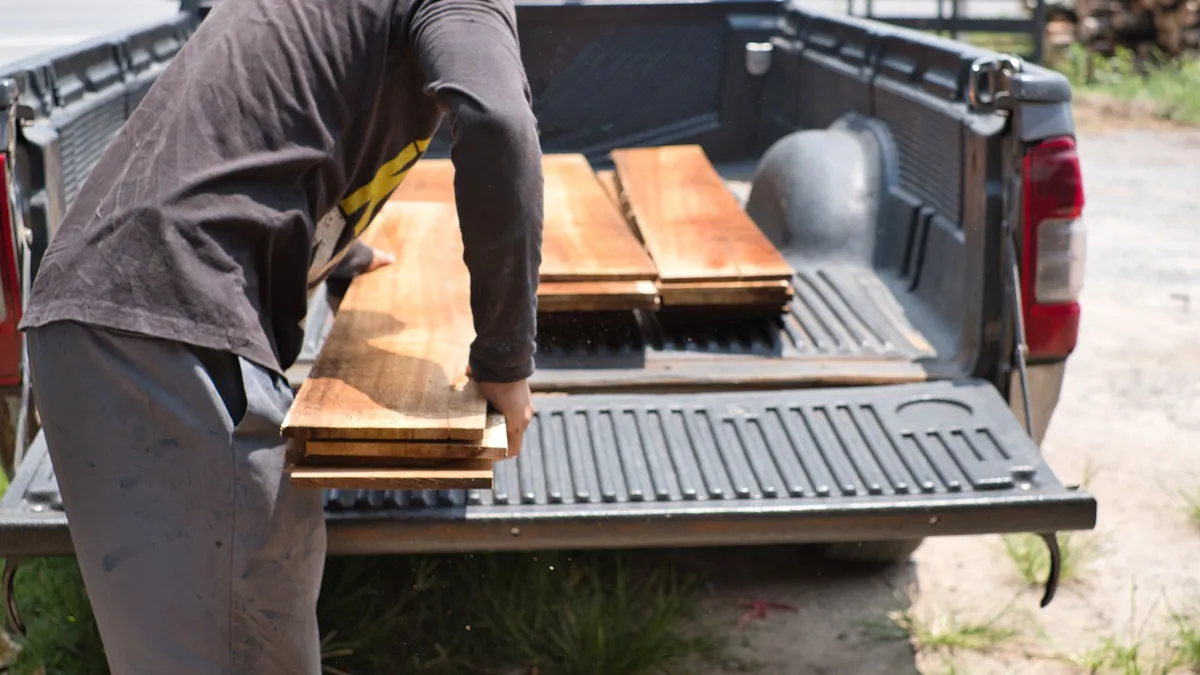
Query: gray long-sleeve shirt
[268, 144]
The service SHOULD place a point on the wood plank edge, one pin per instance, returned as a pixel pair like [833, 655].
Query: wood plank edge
[462, 475]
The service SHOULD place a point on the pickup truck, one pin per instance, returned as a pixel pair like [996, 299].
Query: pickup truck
[927, 192]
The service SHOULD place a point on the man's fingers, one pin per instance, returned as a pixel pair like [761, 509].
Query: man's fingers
[516, 427]
[516, 436]
[380, 259]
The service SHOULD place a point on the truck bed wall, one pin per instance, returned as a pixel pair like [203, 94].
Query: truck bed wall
[81, 95]
[938, 225]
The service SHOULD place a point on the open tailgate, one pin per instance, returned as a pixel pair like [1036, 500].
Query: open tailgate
[638, 470]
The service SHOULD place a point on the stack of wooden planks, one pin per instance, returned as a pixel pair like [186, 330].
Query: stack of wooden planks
[387, 404]
[591, 260]
[707, 251]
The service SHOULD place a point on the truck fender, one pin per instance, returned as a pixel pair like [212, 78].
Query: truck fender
[816, 193]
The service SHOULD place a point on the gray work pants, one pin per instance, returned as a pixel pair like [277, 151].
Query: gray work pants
[198, 556]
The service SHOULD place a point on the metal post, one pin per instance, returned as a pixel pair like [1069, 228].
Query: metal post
[1039, 31]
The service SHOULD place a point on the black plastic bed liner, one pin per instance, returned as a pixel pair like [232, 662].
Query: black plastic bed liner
[817, 465]
[843, 327]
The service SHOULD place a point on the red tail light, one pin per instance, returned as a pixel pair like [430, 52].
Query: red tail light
[1054, 249]
[10, 293]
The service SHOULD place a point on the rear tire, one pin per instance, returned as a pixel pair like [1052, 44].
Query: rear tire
[873, 552]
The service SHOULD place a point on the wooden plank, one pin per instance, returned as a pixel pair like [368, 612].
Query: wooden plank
[493, 446]
[690, 222]
[584, 235]
[769, 294]
[394, 364]
[429, 180]
[596, 296]
[465, 474]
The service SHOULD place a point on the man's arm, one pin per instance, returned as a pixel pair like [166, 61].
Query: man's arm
[468, 52]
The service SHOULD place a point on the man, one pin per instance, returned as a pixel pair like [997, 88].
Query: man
[172, 300]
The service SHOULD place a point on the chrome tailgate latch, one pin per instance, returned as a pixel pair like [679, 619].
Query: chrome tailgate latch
[988, 81]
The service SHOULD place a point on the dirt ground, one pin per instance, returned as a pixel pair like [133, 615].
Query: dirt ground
[1128, 423]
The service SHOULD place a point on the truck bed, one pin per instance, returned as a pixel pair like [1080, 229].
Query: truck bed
[846, 325]
[870, 411]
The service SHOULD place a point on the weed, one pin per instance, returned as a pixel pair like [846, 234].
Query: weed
[1032, 559]
[1172, 87]
[1186, 642]
[1191, 502]
[584, 614]
[61, 632]
[1117, 657]
[947, 635]
[598, 613]
[1136, 653]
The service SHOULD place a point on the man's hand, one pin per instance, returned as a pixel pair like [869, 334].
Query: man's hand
[515, 402]
[379, 259]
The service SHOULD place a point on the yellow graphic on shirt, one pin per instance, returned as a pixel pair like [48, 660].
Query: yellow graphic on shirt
[386, 180]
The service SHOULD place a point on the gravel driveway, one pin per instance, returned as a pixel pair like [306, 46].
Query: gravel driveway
[1129, 421]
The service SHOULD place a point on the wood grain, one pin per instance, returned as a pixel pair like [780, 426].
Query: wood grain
[393, 366]
[493, 446]
[591, 257]
[429, 180]
[596, 296]
[584, 236]
[690, 222]
[466, 474]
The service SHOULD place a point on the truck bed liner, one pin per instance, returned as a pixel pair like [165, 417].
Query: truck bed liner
[844, 326]
[853, 464]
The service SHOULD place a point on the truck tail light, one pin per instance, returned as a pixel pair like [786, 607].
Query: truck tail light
[10, 283]
[1054, 249]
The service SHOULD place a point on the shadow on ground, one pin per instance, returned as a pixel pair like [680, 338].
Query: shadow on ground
[839, 618]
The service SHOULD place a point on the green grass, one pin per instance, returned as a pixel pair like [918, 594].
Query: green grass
[1171, 89]
[1032, 559]
[1020, 44]
[61, 632]
[1172, 653]
[1191, 502]
[948, 636]
[598, 613]
[1115, 656]
[1186, 642]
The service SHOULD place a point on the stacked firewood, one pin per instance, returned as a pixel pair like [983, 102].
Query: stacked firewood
[1168, 27]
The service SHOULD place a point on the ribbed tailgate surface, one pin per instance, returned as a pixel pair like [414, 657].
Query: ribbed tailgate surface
[890, 462]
